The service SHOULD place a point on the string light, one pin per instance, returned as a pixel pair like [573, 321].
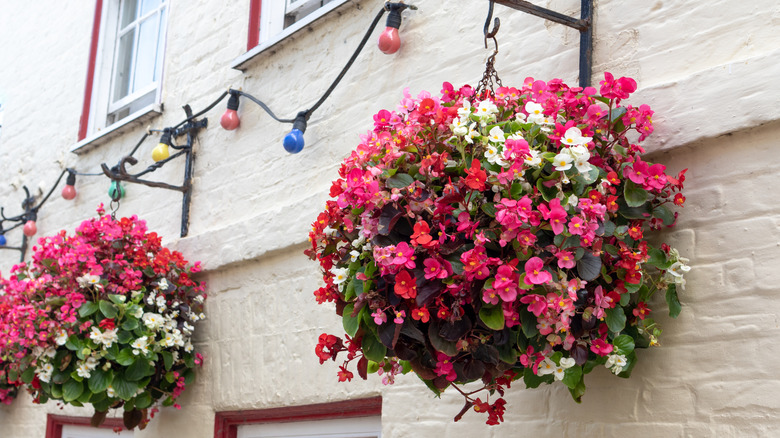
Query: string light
[116, 191]
[69, 191]
[161, 152]
[389, 40]
[230, 120]
[293, 141]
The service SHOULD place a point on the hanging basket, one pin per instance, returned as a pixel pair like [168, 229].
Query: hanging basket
[105, 317]
[499, 236]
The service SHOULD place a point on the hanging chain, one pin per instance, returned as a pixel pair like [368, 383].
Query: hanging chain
[114, 206]
[490, 78]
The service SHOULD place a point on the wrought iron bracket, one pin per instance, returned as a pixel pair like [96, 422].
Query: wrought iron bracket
[584, 25]
[190, 130]
[30, 213]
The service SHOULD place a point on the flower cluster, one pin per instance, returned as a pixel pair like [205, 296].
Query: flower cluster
[499, 236]
[103, 317]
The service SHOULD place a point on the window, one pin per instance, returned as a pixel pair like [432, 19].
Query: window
[271, 21]
[346, 419]
[58, 426]
[125, 65]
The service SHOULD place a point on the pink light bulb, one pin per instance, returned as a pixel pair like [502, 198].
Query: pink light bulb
[389, 41]
[69, 192]
[230, 120]
[30, 228]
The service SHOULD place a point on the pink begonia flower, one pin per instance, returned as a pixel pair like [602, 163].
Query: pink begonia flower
[537, 304]
[601, 347]
[444, 367]
[490, 296]
[555, 214]
[577, 226]
[435, 269]
[565, 259]
[535, 273]
[404, 255]
[637, 172]
[399, 316]
[379, 317]
[656, 178]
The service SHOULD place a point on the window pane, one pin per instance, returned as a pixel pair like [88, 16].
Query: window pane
[160, 45]
[149, 5]
[122, 68]
[147, 49]
[129, 8]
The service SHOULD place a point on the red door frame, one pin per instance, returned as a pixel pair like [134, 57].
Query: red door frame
[226, 423]
[54, 423]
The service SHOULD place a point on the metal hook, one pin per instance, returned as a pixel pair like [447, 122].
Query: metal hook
[496, 24]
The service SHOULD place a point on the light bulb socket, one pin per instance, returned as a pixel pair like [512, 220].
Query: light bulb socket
[394, 17]
[232, 103]
[71, 180]
[300, 121]
[166, 137]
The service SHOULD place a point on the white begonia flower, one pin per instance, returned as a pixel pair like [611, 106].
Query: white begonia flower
[573, 200]
[563, 161]
[678, 269]
[200, 299]
[459, 127]
[187, 328]
[110, 391]
[520, 117]
[150, 299]
[465, 111]
[353, 255]
[535, 159]
[62, 337]
[92, 362]
[49, 352]
[559, 372]
[472, 134]
[547, 366]
[339, 275]
[486, 110]
[188, 347]
[83, 370]
[44, 372]
[106, 338]
[88, 280]
[535, 112]
[140, 345]
[615, 363]
[496, 135]
[202, 316]
[139, 312]
[567, 362]
[134, 294]
[153, 321]
[573, 136]
[163, 284]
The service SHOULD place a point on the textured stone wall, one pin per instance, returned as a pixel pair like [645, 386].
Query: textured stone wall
[708, 68]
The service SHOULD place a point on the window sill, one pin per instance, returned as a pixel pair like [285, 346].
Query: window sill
[112, 131]
[240, 62]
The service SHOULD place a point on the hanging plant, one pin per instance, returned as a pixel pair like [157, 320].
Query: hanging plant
[497, 236]
[108, 315]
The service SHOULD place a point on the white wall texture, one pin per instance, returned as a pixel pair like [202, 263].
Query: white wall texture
[708, 68]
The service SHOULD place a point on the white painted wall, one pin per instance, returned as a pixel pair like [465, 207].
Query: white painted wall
[708, 68]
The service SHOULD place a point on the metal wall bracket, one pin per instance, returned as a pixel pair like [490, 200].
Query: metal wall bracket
[190, 129]
[30, 213]
[584, 25]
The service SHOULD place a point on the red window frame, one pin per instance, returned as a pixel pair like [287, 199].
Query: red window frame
[253, 37]
[226, 423]
[54, 423]
[93, 48]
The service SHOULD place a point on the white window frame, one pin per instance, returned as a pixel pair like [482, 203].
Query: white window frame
[359, 427]
[272, 30]
[101, 108]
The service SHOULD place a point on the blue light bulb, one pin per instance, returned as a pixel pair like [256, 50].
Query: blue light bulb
[293, 141]
[2, 240]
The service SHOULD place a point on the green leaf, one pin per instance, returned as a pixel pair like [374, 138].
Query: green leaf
[372, 348]
[130, 324]
[349, 292]
[74, 343]
[578, 391]
[123, 388]
[107, 309]
[529, 323]
[99, 380]
[589, 266]
[572, 376]
[658, 259]
[124, 337]
[489, 209]
[533, 381]
[616, 113]
[663, 213]
[125, 357]
[88, 308]
[71, 390]
[624, 344]
[399, 181]
[492, 316]
[28, 375]
[117, 299]
[138, 370]
[548, 193]
[167, 359]
[351, 324]
[616, 319]
[516, 190]
[673, 301]
[634, 195]
[143, 400]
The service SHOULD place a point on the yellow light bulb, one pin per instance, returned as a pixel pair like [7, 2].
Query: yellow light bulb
[160, 152]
